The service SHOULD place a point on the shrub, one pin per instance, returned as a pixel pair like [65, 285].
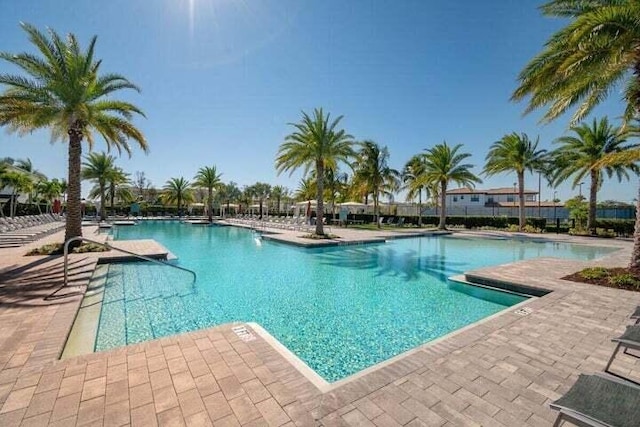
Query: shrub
[621, 227]
[594, 273]
[625, 280]
[603, 232]
[58, 249]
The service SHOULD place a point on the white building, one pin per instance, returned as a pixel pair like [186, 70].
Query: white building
[493, 197]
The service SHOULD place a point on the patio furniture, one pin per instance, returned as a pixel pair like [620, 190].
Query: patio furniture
[636, 315]
[630, 340]
[599, 400]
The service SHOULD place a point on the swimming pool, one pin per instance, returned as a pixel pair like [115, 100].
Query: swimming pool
[339, 309]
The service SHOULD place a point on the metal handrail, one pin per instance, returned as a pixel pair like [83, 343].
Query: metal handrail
[108, 246]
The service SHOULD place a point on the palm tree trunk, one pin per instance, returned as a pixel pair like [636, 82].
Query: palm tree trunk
[443, 206]
[14, 202]
[319, 198]
[593, 197]
[635, 254]
[74, 205]
[376, 211]
[419, 208]
[522, 221]
[103, 207]
[179, 204]
[112, 197]
[210, 205]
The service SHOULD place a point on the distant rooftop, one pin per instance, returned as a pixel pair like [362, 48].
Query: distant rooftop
[501, 190]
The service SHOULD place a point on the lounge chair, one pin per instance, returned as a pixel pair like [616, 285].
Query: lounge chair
[630, 340]
[600, 400]
[636, 315]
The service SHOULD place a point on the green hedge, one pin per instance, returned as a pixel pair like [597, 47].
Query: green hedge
[483, 221]
[622, 227]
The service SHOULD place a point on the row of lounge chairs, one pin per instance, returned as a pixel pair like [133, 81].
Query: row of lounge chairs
[24, 229]
[605, 399]
[297, 223]
[392, 221]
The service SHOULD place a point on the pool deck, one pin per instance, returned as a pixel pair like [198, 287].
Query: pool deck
[502, 371]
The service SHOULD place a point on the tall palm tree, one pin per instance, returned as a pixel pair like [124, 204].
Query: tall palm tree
[229, 193]
[261, 191]
[443, 164]
[628, 158]
[209, 178]
[97, 168]
[414, 181]
[64, 90]
[116, 188]
[316, 144]
[177, 190]
[579, 156]
[372, 168]
[279, 192]
[515, 153]
[582, 63]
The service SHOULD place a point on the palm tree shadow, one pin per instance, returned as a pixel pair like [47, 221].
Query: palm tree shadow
[30, 284]
[386, 261]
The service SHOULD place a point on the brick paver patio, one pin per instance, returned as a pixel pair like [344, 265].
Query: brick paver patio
[500, 372]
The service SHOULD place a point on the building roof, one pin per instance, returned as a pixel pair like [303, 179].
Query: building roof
[502, 190]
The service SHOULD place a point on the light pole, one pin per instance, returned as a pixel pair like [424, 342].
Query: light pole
[580, 189]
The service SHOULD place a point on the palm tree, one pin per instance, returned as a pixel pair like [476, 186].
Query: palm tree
[579, 155]
[306, 189]
[228, 193]
[177, 190]
[515, 153]
[19, 182]
[50, 190]
[279, 192]
[372, 168]
[261, 191]
[64, 90]
[27, 166]
[414, 181]
[97, 168]
[209, 178]
[316, 144]
[584, 62]
[116, 188]
[443, 164]
[335, 184]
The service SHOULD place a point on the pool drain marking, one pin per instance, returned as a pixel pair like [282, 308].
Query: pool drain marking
[243, 333]
[524, 311]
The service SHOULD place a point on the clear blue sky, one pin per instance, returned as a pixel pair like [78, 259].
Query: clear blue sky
[221, 79]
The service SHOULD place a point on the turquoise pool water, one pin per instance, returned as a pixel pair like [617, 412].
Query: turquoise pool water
[339, 309]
